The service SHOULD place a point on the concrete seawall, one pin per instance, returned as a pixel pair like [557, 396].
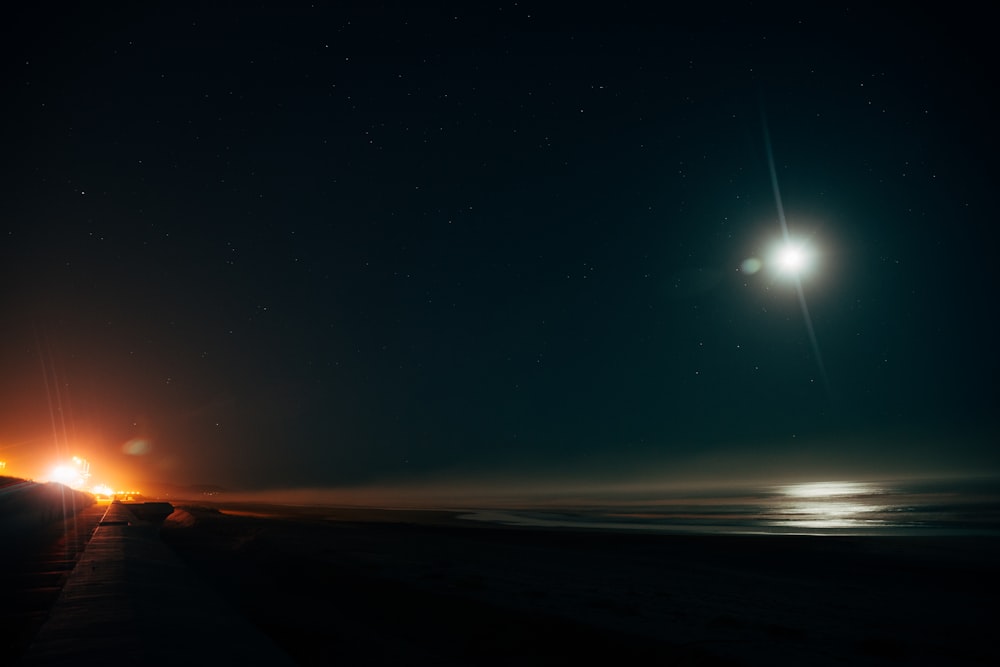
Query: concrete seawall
[28, 508]
[130, 600]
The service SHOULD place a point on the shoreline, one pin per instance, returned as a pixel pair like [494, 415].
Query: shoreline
[406, 583]
[598, 519]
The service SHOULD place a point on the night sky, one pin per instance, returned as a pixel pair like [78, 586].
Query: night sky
[298, 245]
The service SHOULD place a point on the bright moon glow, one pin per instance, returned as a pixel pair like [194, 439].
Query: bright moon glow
[792, 258]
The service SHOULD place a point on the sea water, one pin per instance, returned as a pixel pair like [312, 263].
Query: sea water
[909, 507]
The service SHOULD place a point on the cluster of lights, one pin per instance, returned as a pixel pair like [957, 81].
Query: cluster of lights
[76, 475]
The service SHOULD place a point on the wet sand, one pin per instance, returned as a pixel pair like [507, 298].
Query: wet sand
[378, 587]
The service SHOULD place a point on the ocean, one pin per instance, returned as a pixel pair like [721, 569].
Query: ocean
[908, 507]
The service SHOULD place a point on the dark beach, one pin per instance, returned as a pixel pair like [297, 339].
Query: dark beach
[407, 587]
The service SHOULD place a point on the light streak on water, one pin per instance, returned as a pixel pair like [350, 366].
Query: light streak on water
[824, 508]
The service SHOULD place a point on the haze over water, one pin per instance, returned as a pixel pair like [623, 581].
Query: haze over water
[920, 507]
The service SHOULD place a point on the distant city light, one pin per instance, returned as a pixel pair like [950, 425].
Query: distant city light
[67, 475]
[76, 475]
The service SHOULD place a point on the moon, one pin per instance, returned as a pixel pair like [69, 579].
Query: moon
[792, 258]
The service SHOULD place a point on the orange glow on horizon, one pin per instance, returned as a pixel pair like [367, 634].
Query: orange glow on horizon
[76, 475]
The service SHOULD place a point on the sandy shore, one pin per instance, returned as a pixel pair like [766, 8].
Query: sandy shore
[374, 587]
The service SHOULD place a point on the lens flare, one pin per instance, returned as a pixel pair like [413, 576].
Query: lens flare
[751, 265]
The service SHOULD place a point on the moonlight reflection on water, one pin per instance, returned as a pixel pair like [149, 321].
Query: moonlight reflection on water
[831, 505]
[834, 508]
[829, 489]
